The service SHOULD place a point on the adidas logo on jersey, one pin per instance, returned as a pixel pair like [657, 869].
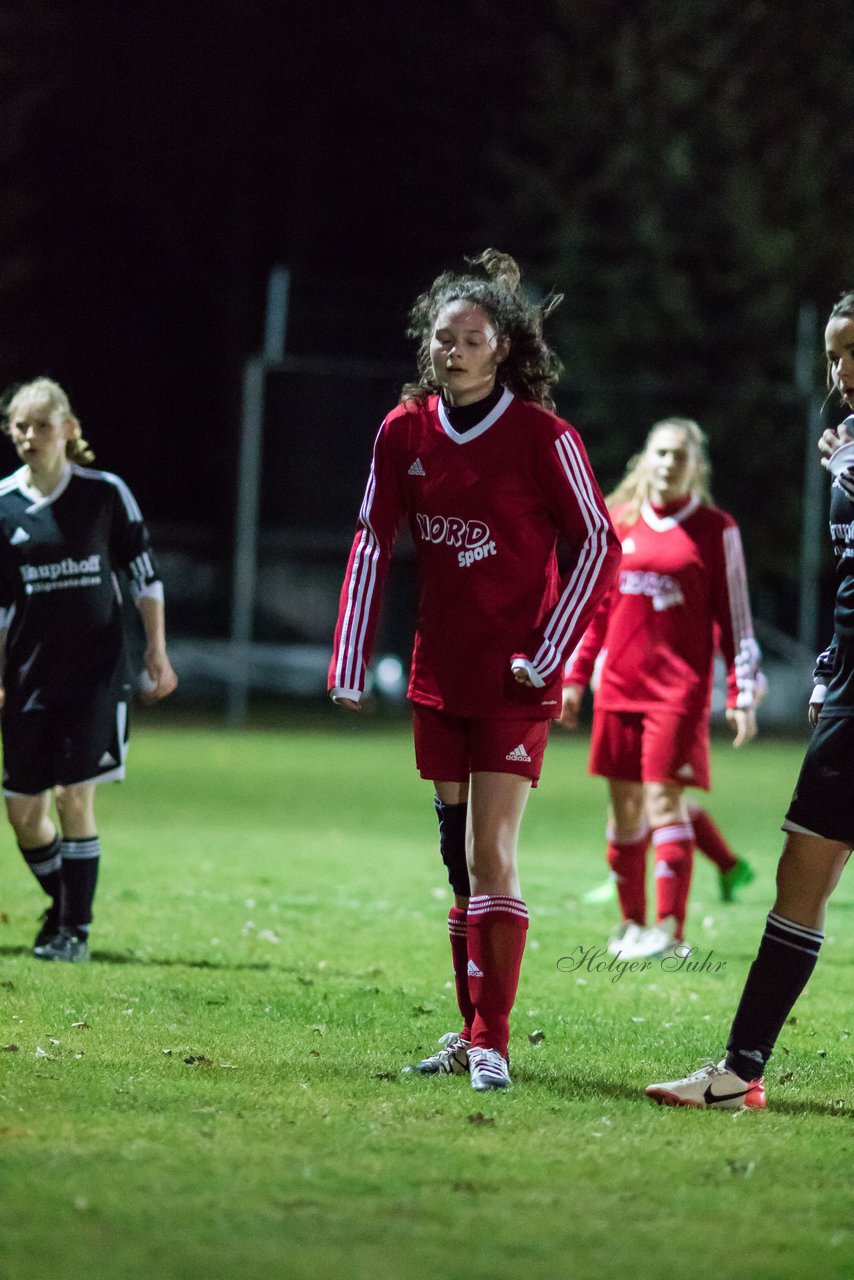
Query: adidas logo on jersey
[106, 759]
[416, 469]
[20, 535]
[628, 546]
[519, 754]
[472, 971]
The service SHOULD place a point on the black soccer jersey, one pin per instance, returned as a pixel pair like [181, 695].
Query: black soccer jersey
[835, 667]
[60, 598]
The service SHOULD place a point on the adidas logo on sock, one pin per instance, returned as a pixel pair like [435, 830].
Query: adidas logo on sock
[472, 971]
[20, 535]
[416, 469]
[519, 753]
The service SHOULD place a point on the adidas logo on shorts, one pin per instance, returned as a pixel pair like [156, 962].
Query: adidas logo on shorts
[519, 754]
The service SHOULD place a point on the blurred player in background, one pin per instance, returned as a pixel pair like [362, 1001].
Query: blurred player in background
[681, 591]
[819, 823]
[487, 477]
[65, 534]
[734, 871]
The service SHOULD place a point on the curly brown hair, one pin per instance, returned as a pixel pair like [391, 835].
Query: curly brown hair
[531, 368]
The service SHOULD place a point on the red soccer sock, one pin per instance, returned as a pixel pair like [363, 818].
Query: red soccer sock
[674, 862]
[627, 860]
[497, 926]
[710, 840]
[458, 931]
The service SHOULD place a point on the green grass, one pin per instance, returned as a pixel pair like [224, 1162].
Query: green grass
[270, 948]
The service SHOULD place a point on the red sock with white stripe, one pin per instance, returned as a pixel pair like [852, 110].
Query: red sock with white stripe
[627, 859]
[674, 862]
[497, 926]
[458, 930]
[709, 839]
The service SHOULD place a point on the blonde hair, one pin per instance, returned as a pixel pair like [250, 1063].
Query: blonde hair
[635, 487]
[45, 392]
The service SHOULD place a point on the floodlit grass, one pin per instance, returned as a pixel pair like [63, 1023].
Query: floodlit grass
[218, 1093]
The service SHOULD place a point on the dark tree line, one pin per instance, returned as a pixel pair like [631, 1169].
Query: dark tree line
[681, 169]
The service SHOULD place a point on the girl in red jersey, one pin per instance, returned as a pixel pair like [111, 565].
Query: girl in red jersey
[681, 591]
[487, 476]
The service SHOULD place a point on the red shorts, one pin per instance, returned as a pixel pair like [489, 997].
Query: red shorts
[651, 746]
[450, 748]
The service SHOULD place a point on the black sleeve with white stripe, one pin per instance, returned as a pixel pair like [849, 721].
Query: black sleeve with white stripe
[132, 549]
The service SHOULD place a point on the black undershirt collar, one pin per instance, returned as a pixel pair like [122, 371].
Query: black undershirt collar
[464, 417]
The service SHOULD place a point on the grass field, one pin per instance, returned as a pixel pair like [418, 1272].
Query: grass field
[218, 1093]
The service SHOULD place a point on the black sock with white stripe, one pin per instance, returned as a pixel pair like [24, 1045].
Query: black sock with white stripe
[784, 963]
[80, 860]
[45, 863]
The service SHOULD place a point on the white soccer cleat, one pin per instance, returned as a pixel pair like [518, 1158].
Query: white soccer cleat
[451, 1060]
[488, 1070]
[652, 943]
[711, 1086]
[626, 937]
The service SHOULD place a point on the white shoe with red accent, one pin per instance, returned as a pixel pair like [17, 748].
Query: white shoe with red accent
[712, 1086]
[488, 1070]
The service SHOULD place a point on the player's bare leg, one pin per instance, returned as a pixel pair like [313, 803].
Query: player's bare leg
[807, 873]
[40, 845]
[497, 920]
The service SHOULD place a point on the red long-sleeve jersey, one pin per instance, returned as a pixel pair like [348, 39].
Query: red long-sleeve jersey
[485, 508]
[681, 592]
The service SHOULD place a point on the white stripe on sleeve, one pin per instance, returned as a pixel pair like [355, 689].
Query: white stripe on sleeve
[564, 620]
[745, 648]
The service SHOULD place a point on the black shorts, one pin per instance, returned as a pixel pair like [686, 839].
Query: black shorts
[60, 746]
[823, 800]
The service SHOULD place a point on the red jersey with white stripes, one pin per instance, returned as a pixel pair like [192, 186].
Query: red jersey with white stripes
[485, 508]
[681, 592]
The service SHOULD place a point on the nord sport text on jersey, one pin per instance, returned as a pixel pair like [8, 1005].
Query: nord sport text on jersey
[472, 535]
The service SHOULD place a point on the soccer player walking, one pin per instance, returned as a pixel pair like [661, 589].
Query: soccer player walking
[819, 823]
[487, 477]
[65, 534]
[681, 592]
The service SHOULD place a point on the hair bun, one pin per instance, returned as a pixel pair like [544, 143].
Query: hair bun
[500, 267]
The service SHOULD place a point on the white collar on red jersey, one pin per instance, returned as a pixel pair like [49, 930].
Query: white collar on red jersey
[662, 523]
[463, 437]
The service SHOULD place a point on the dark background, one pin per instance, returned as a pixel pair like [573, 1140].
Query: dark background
[681, 170]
